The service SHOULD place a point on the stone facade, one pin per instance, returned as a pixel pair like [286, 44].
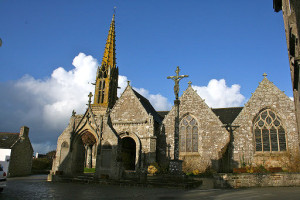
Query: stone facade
[291, 17]
[134, 117]
[266, 96]
[132, 135]
[21, 152]
[212, 137]
[122, 136]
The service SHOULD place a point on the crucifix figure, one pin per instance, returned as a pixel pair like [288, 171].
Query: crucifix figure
[177, 78]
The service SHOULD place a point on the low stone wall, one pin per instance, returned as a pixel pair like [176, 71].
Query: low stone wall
[256, 180]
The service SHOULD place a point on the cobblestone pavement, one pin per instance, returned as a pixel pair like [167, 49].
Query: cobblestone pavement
[36, 187]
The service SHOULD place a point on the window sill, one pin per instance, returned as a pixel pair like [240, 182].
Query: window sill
[272, 154]
[189, 154]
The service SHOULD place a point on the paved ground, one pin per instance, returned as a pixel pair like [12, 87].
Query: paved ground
[36, 187]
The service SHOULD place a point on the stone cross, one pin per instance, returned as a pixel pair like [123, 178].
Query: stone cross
[177, 78]
[265, 75]
[175, 164]
[90, 98]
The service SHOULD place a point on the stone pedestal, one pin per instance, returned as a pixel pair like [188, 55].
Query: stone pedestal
[175, 166]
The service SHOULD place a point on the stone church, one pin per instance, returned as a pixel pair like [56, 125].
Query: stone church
[117, 135]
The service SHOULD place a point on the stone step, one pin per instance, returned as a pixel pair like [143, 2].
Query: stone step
[151, 182]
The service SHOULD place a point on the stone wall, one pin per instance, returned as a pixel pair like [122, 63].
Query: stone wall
[129, 118]
[21, 155]
[257, 180]
[291, 16]
[108, 153]
[212, 136]
[267, 95]
[63, 158]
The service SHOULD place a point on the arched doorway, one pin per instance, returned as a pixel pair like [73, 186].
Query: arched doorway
[89, 141]
[128, 153]
[83, 153]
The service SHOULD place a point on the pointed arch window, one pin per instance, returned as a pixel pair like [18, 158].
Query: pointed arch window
[188, 135]
[269, 133]
[101, 91]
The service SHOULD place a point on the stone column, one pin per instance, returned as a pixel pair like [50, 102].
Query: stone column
[175, 166]
[176, 132]
[89, 156]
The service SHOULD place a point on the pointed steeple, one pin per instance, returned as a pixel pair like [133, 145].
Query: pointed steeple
[107, 74]
[109, 56]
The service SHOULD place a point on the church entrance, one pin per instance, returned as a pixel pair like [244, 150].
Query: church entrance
[83, 154]
[89, 142]
[128, 153]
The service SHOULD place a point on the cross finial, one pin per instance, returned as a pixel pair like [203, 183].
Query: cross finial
[115, 9]
[265, 75]
[190, 83]
[128, 83]
[90, 98]
[177, 71]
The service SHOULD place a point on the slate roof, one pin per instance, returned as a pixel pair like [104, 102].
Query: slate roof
[148, 107]
[227, 115]
[162, 114]
[8, 139]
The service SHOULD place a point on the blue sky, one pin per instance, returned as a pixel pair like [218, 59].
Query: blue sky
[232, 40]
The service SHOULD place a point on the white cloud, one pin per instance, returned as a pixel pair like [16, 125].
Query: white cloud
[218, 95]
[45, 105]
[291, 98]
[158, 101]
[122, 83]
[62, 92]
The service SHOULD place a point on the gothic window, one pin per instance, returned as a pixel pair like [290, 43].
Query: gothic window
[188, 135]
[101, 91]
[100, 87]
[268, 132]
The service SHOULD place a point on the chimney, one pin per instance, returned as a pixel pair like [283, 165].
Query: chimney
[24, 132]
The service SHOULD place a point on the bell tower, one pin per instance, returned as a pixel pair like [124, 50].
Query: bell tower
[106, 84]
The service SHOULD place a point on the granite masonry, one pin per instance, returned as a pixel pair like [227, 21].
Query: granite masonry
[117, 136]
[20, 160]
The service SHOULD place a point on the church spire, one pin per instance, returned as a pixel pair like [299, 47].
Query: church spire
[109, 56]
[107, 74]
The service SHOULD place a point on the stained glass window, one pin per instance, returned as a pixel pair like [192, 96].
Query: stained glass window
[268, 132]
[188, 135]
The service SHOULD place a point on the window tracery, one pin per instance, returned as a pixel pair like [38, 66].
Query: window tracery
[269, 132]
[188, 135]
